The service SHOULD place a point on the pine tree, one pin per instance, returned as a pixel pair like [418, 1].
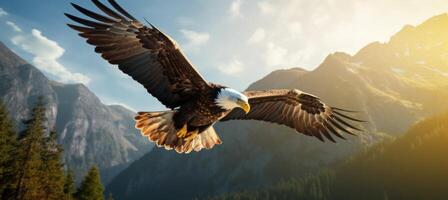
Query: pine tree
[8, 146]
[91, 187]
[29, 157]
[53, 180]
[69, 186]
[110, 197]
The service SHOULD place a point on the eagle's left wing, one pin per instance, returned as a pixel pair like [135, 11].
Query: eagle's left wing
[303, 112]
[146, 54]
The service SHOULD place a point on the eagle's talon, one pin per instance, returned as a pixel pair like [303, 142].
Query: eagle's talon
[191, 136]
[181, 133]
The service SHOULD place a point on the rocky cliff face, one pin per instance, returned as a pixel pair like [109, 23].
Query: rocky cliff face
[393, 84]
[89, 131]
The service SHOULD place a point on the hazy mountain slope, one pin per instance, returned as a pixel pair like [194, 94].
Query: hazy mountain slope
[256, 154]
[9, 58]
[89, 131]
[411, 167]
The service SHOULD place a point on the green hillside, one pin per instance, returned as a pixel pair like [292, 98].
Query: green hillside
[413, 166]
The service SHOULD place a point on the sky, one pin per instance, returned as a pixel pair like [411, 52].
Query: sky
[231, 42]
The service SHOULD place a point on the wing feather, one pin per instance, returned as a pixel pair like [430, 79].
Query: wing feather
[332, 129]
[146, 54]
[303, 112]
[93, 15]
[107, 10]
[121, 10]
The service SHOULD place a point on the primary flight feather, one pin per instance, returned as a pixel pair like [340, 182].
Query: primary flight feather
[155, 60]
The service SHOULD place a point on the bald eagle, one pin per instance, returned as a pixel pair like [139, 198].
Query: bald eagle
[155, 60]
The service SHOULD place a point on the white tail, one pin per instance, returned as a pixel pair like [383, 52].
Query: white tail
[159, 128]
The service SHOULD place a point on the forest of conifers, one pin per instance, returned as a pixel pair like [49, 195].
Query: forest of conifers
[31, 165]
[413, 166]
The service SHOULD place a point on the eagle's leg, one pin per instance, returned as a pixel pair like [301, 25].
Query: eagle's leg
[181, 133]
[192, 135]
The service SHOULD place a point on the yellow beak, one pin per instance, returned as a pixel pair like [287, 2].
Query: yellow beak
[244, 105]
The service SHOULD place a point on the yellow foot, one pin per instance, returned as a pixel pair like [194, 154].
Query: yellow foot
[191, 136]
[181, 133]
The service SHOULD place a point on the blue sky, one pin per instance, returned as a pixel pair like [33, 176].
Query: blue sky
[232, 42]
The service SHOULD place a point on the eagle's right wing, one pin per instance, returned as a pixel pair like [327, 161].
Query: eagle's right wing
[303, 112]
[146, 54]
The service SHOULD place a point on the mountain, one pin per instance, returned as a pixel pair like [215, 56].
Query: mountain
[411, 167]
[394, 84]
[90, 132]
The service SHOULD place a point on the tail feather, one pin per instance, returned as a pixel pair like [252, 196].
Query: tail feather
[159, 128]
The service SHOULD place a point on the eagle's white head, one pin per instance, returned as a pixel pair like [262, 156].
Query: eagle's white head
[229, 99]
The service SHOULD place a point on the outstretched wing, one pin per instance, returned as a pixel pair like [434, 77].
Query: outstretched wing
[303, 112]
[146, 54]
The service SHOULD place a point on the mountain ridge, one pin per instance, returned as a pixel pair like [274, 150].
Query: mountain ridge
[89, 131]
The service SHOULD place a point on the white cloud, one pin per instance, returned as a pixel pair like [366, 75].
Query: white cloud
[295, 28]
[235, 8]
[3, 12]
[266, 7]
[279, 56]
[258, 36]
[321, 19]
[46, 54]
[231, 68]
[275, 55]
[14, 26]
[194, 39]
